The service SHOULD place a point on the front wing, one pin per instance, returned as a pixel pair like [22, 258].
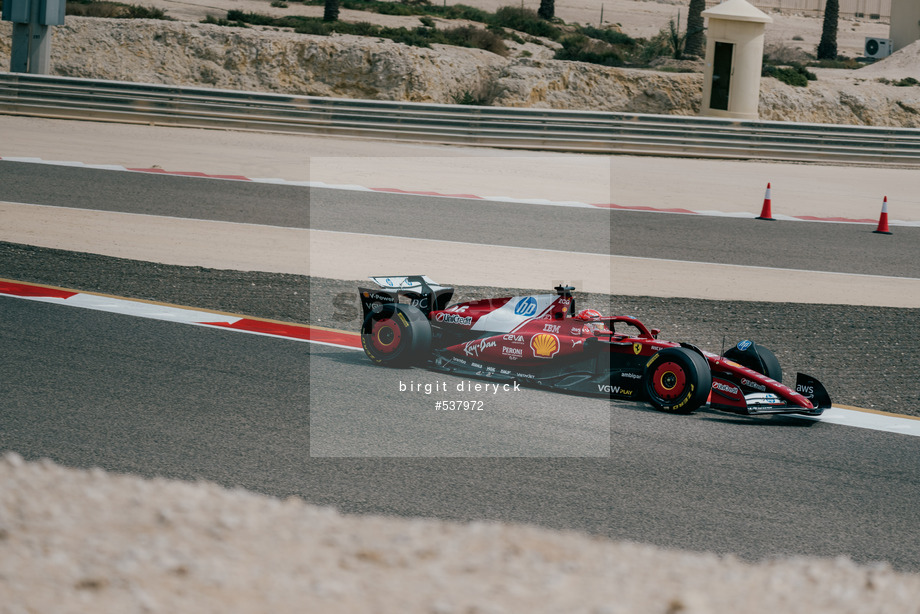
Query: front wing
[739, 391]
[751, 398]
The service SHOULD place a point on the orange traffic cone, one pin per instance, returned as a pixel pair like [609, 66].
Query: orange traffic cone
[766, 213]
[883, 219]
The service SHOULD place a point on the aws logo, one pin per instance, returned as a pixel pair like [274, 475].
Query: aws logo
[544, 345]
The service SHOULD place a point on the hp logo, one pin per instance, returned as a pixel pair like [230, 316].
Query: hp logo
[526, 307]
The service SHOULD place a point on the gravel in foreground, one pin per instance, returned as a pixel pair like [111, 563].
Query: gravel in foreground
[865, 356]
[88, 541]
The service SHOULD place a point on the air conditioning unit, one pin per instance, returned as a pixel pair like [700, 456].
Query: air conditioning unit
[877, 48]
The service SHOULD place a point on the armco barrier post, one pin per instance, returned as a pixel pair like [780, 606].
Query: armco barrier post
[31, 45]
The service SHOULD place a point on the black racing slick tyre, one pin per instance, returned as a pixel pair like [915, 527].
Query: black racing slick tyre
[677, 380]
[757, 358]
[398, 335]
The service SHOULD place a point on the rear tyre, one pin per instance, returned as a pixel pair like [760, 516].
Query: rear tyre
[398, 336]
[757, 358]
[677, 380]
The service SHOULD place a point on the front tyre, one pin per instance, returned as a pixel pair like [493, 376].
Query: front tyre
[397, 336]
[677, 380]
[757, 358]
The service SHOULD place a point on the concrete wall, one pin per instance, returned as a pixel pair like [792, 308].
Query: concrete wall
[848, 8]
[905, 23]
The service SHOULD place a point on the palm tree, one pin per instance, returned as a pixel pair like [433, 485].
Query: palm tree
[331, 10]
[547, 9]
[827, 48]
[693, 45]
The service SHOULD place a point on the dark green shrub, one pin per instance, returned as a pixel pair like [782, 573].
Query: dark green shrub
[465, 97]
[256, 19]
[363, 28]
[398, 8]
[845, 63]
[211, 19]
[509, 34]
[145, 12]
[417, 37]
[524, 20]
[464, 36]
[314, 26]
[113, 10]
[476, 38]
[611, 37]
[462, 11]
[580, 48]
[384, 8]
[905, 82]
[676, 40]
[483, 94]
[796, 75]
[654, 48]
[409, 7]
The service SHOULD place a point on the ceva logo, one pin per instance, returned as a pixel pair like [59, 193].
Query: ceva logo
[526, 307]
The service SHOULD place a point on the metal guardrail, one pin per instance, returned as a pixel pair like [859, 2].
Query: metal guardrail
[537, 129]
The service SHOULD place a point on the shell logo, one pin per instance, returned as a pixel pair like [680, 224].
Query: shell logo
[544, 345]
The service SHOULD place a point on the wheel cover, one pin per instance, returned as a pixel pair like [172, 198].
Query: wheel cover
[385, 336]
[669, 381]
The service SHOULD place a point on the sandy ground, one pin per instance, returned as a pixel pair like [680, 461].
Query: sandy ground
[87, 541]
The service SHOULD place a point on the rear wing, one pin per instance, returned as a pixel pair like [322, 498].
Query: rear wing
[418, 290]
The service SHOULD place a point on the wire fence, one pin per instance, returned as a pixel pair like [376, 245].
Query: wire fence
[859, 9]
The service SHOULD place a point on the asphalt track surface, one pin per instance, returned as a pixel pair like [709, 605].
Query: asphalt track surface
[88, 388]
[94, 389]
[844, 248]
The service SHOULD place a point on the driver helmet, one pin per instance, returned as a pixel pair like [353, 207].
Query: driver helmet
[591, 318]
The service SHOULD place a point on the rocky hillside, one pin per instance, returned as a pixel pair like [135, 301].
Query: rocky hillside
[269, 60]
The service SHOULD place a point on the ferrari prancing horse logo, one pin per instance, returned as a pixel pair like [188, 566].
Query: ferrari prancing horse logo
[637, 348]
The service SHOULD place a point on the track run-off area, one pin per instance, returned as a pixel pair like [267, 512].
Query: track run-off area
[90, 388]
[154, 396]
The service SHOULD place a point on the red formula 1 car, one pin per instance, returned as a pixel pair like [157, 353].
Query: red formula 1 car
[541, 340]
